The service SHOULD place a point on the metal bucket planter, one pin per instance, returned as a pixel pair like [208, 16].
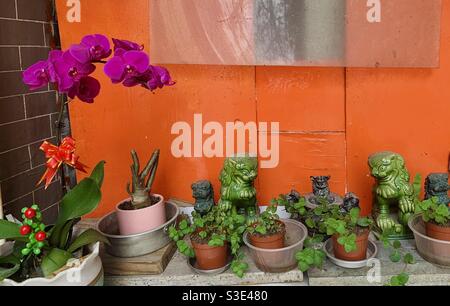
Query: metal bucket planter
[432, 250]
[139, 244]
[88, 273]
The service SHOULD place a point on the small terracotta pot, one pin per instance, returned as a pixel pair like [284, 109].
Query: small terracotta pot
[275, 241]
[142, 220]
[437, 232]
[208, 257]
[362, 241]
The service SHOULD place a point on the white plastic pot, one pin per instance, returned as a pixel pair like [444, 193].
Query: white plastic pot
[88, 273]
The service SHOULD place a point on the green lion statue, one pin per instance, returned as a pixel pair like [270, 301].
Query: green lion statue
[393, 189]
[237, 189]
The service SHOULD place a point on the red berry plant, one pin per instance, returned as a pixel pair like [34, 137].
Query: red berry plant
[33, 229]
[41, 250]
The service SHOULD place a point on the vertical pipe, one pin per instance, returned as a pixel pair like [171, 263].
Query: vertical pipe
[2, 241]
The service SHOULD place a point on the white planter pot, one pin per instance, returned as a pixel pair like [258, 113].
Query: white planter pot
[88, 273]
[281, 211]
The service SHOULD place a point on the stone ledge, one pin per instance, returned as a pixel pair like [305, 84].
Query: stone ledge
[178, 273]
[422, 273]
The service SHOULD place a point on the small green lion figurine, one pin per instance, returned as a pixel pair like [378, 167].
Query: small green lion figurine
[237, 189]
[392, 189]
[203, 193]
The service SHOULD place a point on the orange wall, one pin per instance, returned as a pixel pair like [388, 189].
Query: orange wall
[331, 119]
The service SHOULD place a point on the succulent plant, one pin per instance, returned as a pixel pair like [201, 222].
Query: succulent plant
[141, 183]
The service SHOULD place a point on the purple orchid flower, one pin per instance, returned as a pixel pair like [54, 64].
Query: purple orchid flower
[121, 46]
[86, 89]
[130, 64]
[43, 72]
[37, 75]
[93, 48]
[154, 77]
[161, 77]
[68, 71]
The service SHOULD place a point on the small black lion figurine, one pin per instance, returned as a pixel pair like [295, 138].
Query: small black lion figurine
[436, 185]
[321, 189]
[293, 197]
[203, 193]
[350, 201]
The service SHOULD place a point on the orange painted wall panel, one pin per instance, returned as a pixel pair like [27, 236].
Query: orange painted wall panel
[330, 124]
[301, 99]
[404, 110]
[303, 155]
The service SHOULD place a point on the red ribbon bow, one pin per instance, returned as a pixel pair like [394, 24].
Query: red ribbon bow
[56, 156]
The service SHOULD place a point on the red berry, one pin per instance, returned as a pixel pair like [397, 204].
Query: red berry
[40, 236]
[25, 230]
[30, 213]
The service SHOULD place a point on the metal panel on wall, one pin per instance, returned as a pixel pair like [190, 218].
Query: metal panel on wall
[351, 33]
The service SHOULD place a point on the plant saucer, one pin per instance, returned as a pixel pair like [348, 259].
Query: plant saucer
[192, 263]
[372, 251]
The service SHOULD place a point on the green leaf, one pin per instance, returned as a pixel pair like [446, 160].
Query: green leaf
[319, 258]
[443, 210]
[399, 280]
[98, 173]
[12, 261]
[409, 259]
[81, 200]
[303, 266]
[183, 225]
[397, 244]
[64, 236]
[363, 222]
[9, 230]
[310, 258]
[310, 223]
[403, 278]
[173, 233]
[203, 234]
[261, 229]
[182, 245]
[185, 249]
[87, 237]
[354, 214]
[54, 260]
[395, 256]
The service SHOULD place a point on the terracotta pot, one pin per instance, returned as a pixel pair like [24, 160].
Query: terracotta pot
[275, 241]
[208, 257]
[142, 220]
[437, 232]
[362, 240]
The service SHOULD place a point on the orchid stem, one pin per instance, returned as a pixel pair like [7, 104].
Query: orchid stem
[59, 125]
[60, 118]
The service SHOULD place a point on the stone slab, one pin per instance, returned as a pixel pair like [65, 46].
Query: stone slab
[422, 273]
[178, 273]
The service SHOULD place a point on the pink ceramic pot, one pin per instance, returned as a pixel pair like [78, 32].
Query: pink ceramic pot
[133, 222]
